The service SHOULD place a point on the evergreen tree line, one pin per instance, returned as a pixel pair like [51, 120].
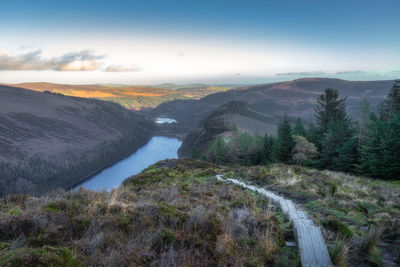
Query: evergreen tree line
[367, 146]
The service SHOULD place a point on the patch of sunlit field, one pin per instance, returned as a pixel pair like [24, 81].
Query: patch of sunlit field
[84, 93]
[143, 94]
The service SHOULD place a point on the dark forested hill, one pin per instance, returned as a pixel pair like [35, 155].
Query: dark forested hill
[296, 98]
[49, 140]
[230, 118]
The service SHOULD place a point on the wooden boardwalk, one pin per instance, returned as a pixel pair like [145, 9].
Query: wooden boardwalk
[313, 251]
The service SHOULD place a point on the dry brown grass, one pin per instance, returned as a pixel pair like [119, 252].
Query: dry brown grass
[346, 206]
[178, 215]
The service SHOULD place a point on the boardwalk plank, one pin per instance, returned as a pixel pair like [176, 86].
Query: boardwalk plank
[319, 247]
[309, 237]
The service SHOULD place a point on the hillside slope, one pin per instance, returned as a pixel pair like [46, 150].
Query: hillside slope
[176, 212]
[130, 96]
[232, 116]
[295, 98]
[49, 140]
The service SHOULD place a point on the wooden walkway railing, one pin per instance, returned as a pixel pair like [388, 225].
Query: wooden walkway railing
[313, 251]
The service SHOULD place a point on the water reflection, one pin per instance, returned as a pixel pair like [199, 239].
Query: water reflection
[158, 148]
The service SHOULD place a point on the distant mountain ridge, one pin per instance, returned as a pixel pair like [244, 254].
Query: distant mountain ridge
[130, 96]
[296, 98]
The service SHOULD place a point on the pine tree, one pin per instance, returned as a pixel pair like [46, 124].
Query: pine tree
[284, 142]
[331, 108]
[335, 130]
[299, 128]
[348, 155]
[313, 134]
[363, 123]
[216, 151]
[380, 155]
[269, 145]
[371, 158]
[391, 105]
[257, 151]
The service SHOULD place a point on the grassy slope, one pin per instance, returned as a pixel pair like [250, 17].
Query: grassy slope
[347, 207]
[173, 212]
[176, 212]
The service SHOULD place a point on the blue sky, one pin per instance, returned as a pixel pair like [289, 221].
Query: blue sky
[194, 41]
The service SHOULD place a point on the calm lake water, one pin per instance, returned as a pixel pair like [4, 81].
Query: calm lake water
[158, 148]
[165, 120]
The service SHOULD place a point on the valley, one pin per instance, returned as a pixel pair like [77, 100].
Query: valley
[128, 170]
[134, 97]
[199, 133]
[51, 141]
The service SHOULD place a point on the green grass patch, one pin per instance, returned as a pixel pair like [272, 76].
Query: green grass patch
[47, 256]
[16, 211]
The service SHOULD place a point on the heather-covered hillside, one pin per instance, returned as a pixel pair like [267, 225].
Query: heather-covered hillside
[177, 213]
[49, 140]
[173, 213]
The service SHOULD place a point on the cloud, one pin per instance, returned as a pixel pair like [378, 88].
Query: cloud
[119, 68]
[75, 61]
[350, 72]
[306, 73]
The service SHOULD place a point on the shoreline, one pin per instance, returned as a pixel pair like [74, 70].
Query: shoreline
[81, 181]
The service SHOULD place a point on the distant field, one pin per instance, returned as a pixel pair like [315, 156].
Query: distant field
[129, 96]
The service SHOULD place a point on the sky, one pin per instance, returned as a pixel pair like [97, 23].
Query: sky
[190, 41]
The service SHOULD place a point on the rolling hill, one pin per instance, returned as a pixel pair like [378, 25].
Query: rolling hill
[230, 117]
[295, 98]
[50, 140]
[130, 96]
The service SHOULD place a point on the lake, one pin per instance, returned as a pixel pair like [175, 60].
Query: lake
[165, 120]
[158, 148]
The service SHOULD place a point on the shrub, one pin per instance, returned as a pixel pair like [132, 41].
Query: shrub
[15, 211]
[171, 214]
[124, 223]
[79, 226]
[167, 237]
[4, 246]
[337, 226]
[372, 239]
[17, 199]
[47, 256]
[55, 207]
[339, 253]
